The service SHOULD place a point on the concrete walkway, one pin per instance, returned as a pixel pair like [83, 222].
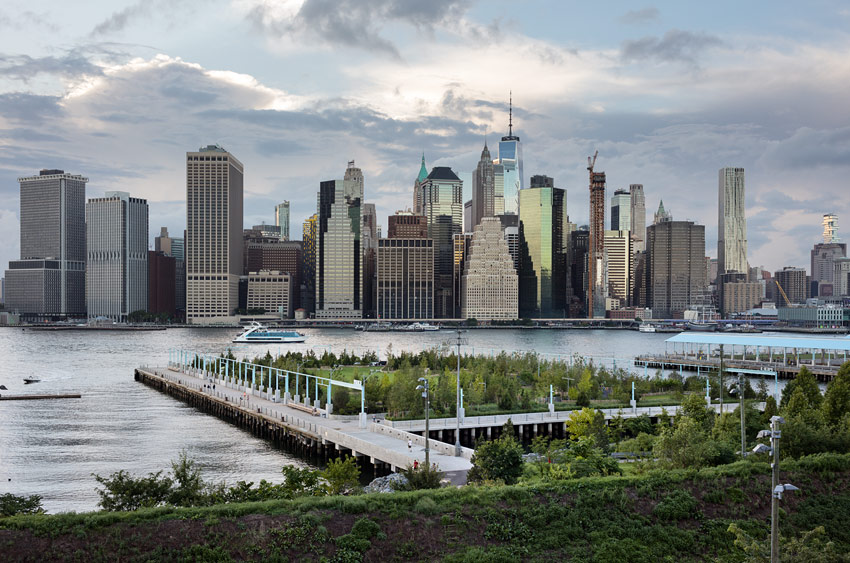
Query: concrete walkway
[379, 442]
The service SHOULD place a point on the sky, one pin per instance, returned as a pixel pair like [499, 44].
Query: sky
[667, 92]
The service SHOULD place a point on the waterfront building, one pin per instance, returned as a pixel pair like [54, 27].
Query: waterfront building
[405, 224]
[339, 254]
[405, 279]
[621, 211]
[281, 219]
[675, 265]
[417, 187]
[116, 256]
[618, 247]
[483, 191]
[274, 254]
[214, 246]
[308, 264]
[794, 282]
[440, 195]
[270, 290]
[162, 274]
[489, 283]
[818, 316]
[510, 158]
[638, 217]
[49, 281]
[543, 257]
[731, 221]
[741, 296]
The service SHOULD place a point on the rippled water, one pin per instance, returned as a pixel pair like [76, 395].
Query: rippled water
[52, 447]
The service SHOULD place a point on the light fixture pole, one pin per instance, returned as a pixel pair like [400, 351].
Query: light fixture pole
[424, 388]
[743, 430]
[458, 342]
[776, 489]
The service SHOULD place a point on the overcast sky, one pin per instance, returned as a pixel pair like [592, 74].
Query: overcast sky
[667, 92]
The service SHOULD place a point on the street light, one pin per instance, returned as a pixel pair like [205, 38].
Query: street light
[776, 488]
[458, 341]
[424, 388]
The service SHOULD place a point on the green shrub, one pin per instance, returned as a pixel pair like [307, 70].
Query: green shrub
[420, 478]
[11, 504]
[366, 529]
[678, 505]
[426, 506]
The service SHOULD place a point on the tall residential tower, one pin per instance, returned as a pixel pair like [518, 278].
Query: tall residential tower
[731, 222]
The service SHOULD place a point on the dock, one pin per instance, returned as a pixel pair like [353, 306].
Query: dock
[39, 397]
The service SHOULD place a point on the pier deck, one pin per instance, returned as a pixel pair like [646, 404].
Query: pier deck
[377, 442]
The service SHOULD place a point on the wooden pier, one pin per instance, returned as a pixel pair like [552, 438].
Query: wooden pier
[39, 397]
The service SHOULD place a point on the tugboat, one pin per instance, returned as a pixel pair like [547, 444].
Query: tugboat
[31, 379]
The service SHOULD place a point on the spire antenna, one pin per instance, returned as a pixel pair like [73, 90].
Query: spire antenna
[511, 113]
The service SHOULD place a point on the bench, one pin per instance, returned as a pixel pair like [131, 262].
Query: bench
[300, 407]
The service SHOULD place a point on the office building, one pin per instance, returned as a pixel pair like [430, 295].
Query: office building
[510, 226]
[830, 228]
[597, 268]
[618, 247]
[116, 256]
[675, 265]
[369, 235]
[417, 187]
[176, 248]
[309, 255]
[440, 195]
[405, 279]
[499, 188]
[621, 211]
[511, 171]
[461, 250]
[794, 282]
[267, 231]
[638, 281]
[823, 257]
[270, 291]
[578, 260]
[49, 281]
[738, 297]
[281, 219]
[339, 252]
[543, 257]
[405, 224]
[731, 222]
[483, 191]
[638, 217]
[162, 274]
[490, 285]
[467, 217]
[841, 277]
[214, 246]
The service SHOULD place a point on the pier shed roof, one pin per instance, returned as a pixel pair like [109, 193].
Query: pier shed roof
[765, 340]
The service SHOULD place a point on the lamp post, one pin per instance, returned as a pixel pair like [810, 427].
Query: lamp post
[776, 489]
[424, 388]
[458, 341]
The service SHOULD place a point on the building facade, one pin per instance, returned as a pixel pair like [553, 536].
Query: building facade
[841, 277]
[511, 171]
[214, 188]
[441, 203]
[309, 253]
[731, 222]
[483, 191]
[823, 257]
[162, 275]
[281, 219]
[175, 247]
[675, 266]
[739, 297]
[49, 281]
[270, 290]
[490, 284]
[405, 224]
[794, 283]
[638, 217]
[543, 257]
[621, 211]
[405, 279]
[597, 268]
[116, 256]
[618, 247]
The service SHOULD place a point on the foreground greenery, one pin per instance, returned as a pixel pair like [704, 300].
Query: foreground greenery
[718, 514]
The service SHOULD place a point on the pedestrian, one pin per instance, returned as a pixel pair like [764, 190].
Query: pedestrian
[409, 445]
[415, 464]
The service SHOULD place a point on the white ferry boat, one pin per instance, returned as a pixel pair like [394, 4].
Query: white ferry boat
[646, 327]
[418, 327]
[260, 334]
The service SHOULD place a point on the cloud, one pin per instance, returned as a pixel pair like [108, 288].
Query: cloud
[675, 46]
[640, 16]
[120, 19]
[808, 148]
[355, 23]
[25, 67]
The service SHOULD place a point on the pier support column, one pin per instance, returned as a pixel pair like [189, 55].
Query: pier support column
[329, 408]
[363, 422]
[277, 395]
[286, 398]
[551, 409]
[297, 398]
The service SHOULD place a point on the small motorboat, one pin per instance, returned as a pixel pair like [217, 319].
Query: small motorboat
[31, 379]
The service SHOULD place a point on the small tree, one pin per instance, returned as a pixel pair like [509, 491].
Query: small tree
[498, 460]
[836, 401]
[300, 481]
[12, 504]
[341, 476]
[421, 477]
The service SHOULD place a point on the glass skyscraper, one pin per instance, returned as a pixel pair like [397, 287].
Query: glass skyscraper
[510, 157]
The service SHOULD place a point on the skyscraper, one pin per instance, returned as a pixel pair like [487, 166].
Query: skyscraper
[825, 254]
[214, 244]
[618, 247]
[417, 186]
[597, 269]
[49, 281]
[405, 278]
[830, 228]
[621, 211]
[489, 283]
[405, 224]
[339, 254]
[638, 217]
[543, 257]
[483, 190]
[731, 222]
[510, 157]
[440, 201]
[117, 256]
[675, 265]
[308, 263]
[281, 219]
[794, 283]
[176, 248]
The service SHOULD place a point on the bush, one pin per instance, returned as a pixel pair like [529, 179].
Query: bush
[678, 505]
[420, 478]
[498, 460]
[341, 476]
[426, 506]
[11, 504]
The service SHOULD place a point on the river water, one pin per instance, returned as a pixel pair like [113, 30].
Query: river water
[52, 447]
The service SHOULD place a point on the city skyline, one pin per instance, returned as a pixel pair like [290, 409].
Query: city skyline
[682, 98]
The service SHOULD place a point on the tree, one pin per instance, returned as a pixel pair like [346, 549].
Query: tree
[836, 401]
[806, 382]
[498, 460]
[122, 491]
[189, 490]
[687, 445]
[300, 481]
[695, 408]
[12, 504]
[588, 423]
[341, 476]
[421, 477]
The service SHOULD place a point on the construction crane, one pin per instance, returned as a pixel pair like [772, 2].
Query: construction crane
[782, 291]
[592, 163]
